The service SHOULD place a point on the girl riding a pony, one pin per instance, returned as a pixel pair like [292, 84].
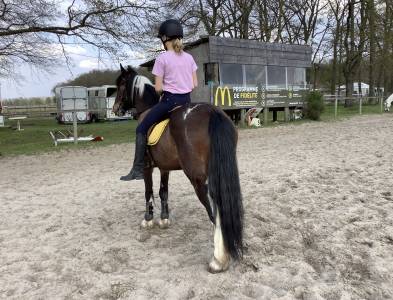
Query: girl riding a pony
[175, 78]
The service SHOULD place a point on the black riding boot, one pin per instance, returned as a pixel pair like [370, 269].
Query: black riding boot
[139, 159]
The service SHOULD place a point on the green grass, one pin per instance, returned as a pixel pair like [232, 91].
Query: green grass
[344, 112]
[328, 114]
[35, 137]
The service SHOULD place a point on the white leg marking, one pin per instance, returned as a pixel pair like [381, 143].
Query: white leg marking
[220, 260]
[147, 224]
[164, 223]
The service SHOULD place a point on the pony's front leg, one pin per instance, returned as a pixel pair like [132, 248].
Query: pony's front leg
[164, 221]
[148, 220]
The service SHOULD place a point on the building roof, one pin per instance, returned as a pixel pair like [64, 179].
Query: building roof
[243, 51]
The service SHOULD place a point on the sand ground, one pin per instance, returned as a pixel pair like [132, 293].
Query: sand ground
[318, 204]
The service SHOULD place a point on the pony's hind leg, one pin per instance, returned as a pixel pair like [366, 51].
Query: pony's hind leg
[221, 257]
[201, 190]
[164, 221]
[148, 220]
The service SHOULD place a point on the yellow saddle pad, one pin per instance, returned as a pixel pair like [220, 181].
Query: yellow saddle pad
[156, 132]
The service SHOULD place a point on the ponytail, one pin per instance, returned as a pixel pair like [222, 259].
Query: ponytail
[177, 45]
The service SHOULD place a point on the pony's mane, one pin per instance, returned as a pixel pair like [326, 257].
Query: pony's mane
[139, 85]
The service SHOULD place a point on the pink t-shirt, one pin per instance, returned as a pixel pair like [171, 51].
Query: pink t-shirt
[176, 71]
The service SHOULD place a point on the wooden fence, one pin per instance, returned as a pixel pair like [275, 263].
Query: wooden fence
[30, 110]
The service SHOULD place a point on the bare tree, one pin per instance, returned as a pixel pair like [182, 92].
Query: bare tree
[354, 43]
[306, 18]
[37, 32]
[371, 13]
[337, 9]
[387, 48]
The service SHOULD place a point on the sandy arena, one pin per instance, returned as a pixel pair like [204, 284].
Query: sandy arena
[318, 222]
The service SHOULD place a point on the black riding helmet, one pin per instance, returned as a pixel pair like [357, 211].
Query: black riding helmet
[169, 30]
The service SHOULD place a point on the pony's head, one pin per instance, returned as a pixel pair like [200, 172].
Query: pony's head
[123, 102]
[133, 91]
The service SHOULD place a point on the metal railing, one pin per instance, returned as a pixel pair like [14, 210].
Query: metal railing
[348, 102]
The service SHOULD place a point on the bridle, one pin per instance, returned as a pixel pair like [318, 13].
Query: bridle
[135, 87]
[130, 91]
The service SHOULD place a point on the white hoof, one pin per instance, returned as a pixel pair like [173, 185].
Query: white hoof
[147, 224]
[216, 267]
[164, 223]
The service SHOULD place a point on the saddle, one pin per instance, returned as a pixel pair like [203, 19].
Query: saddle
[155, 132]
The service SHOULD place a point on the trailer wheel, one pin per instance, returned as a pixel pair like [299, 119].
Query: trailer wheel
[94, 119]
[59, 121]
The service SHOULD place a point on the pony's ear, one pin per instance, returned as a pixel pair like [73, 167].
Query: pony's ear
[122, 69]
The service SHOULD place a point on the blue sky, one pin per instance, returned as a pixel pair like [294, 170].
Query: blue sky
[38, 83]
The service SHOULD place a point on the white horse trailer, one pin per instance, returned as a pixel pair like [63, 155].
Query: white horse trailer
[101, 100]
[72, 98]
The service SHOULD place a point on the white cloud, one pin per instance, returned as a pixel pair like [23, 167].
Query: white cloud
[71, 50]
[135, 55]
[88, 64]
[74, 49]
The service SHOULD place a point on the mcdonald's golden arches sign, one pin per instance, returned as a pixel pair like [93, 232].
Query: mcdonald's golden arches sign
[223, 96]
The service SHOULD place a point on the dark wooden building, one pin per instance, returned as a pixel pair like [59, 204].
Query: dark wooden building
[252, 71]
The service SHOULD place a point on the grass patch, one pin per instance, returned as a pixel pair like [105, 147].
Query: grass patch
[35, 137]
[345, 112]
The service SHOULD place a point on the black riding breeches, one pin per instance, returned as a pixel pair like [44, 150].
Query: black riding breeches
[162, 109]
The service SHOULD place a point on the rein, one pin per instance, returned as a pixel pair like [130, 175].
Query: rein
[130, 91]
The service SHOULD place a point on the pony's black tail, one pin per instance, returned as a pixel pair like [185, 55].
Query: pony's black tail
[223, 182]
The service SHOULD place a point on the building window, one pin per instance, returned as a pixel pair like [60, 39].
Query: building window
[276, 77]
[211, 73]
[255, 75]
[231, 74]
[296, 77]
[111, 92]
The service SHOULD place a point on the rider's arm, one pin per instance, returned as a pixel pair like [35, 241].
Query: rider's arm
[158, 84]
[194, 79]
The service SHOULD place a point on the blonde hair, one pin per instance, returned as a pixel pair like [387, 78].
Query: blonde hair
[177, 45]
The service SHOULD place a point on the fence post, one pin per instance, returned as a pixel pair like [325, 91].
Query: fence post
[286, 111]
[243, 117]
[335, 107]
[360, 105]
[75, 127]
[381, 101]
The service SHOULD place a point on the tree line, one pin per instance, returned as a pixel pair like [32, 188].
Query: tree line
[353, 37]
[352, 40]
